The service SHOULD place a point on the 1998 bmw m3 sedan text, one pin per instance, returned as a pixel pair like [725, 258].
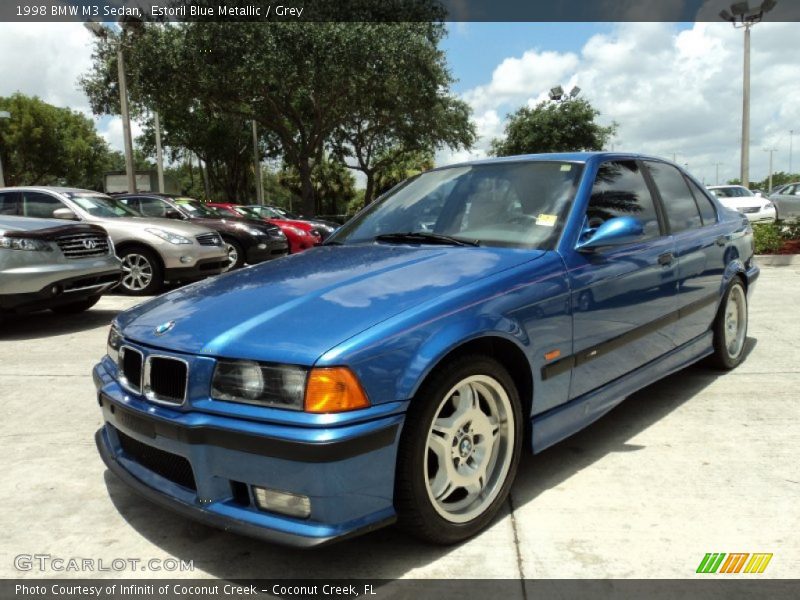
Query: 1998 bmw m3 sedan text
[397, 372]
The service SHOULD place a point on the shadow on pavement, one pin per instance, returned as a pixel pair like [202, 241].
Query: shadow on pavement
[30, 326]
[389, 553]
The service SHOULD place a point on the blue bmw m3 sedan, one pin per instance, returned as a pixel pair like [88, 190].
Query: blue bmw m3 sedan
[397, 373]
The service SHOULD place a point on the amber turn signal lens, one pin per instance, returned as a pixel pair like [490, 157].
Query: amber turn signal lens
[333, 389]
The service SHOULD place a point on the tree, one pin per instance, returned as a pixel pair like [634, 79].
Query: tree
[567, 126]
[334, 186]
[46, 145]
[300, 82]
[407, 110]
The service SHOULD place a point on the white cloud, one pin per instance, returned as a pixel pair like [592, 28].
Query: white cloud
[670, 92]
[45, 60]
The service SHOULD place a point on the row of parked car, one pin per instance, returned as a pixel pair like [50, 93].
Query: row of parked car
[781, 203]
[68, 246]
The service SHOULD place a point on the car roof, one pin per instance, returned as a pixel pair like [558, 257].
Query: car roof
[51, 188]
[580, 157]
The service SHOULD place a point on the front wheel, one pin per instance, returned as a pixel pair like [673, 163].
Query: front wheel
[730, 327]
[142, 274]
[235, 255]
[459, 450]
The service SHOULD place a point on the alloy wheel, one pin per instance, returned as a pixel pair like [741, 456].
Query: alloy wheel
[137, 272]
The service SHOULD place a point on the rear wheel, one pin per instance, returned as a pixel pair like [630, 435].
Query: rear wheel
[76, 307]
[142, 274]
[730, 327]
[459, 451]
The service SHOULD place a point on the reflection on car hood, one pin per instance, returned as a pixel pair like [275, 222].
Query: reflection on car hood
[294, 309]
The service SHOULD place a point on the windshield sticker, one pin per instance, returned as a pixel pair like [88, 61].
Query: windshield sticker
[546, 220]
[566, 168]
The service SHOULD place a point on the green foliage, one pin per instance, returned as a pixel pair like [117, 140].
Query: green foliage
[45, 145]
[334, 186]
[778, 178]
[767, 237]
[364, 88]
[275, 193]
[400, 165]
[567, 126]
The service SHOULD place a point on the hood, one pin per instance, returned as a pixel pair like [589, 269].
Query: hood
[743, 202]
[140, 223]
[230, 223]
[294, 309]
[14, 223]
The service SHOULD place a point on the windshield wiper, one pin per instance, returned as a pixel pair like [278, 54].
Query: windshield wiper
[425, 237]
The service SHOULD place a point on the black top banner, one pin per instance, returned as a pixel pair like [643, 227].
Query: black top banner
[400, 10]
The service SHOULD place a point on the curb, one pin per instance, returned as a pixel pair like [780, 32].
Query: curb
[777, 260]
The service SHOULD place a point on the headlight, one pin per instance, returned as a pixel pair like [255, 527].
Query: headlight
[249, 230]
[113, 344]
[254, 383]
[14, 243]
[767, 206]
[297, 231]
[167, 236]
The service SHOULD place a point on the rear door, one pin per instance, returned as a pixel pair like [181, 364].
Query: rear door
[788, 202]
[621, 295]
[699, 250]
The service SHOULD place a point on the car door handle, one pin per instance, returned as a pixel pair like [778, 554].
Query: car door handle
[666, 259]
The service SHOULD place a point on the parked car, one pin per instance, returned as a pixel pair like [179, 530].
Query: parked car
[787, 202]
[326, 227]
[301, 235]
[248, 241]
[48, 264]
[757, 209]
[152, 250]
[396, 373]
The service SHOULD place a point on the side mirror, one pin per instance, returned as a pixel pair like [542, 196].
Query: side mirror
[173, 214]
[66, 214]
[614, 232]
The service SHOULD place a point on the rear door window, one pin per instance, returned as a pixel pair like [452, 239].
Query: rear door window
[681, 209]
[707, 209]
[8, 203]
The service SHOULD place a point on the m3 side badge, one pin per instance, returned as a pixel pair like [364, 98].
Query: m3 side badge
[164, 327]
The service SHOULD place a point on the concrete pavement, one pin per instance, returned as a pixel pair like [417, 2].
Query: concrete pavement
[700, 462]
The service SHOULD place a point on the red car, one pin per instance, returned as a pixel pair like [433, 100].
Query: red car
[301, 234]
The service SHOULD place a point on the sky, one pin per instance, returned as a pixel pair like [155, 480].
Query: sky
[675, 90]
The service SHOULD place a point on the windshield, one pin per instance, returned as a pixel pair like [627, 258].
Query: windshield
[196, 208]
[103, 206]
[264, 212]
[282, 213]
[732, 192]
[516, 204]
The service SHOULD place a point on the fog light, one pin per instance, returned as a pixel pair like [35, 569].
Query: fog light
[186, 259]
[285, 503]
[262, 246]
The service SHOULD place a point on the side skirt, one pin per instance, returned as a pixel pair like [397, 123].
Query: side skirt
[562, 421]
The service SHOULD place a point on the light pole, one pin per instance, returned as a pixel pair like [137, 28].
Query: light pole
[742, 16]
[716, 180]
[770, 150]
[103, 33]
[791, 139]
[159, 154]
[257, 167]
[4, 114]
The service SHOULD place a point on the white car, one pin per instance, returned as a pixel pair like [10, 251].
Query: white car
[756, 208]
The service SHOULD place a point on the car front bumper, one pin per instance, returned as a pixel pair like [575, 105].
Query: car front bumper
[200, 269]
[57, 291]
[266, 249]
[346, 472]
[762, 216]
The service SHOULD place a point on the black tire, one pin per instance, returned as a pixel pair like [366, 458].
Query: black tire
[141, 286]
[234, 248]
[726, 357]
[416, 509]
[74, 308]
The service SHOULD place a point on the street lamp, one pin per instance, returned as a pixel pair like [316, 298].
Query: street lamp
[771, 151]
[4, 114]
[102, 33]
[557, 94]
[742, 16]
[791, 139]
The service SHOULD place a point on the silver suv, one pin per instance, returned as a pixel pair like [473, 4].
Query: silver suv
[55, 265]
[152, 250]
